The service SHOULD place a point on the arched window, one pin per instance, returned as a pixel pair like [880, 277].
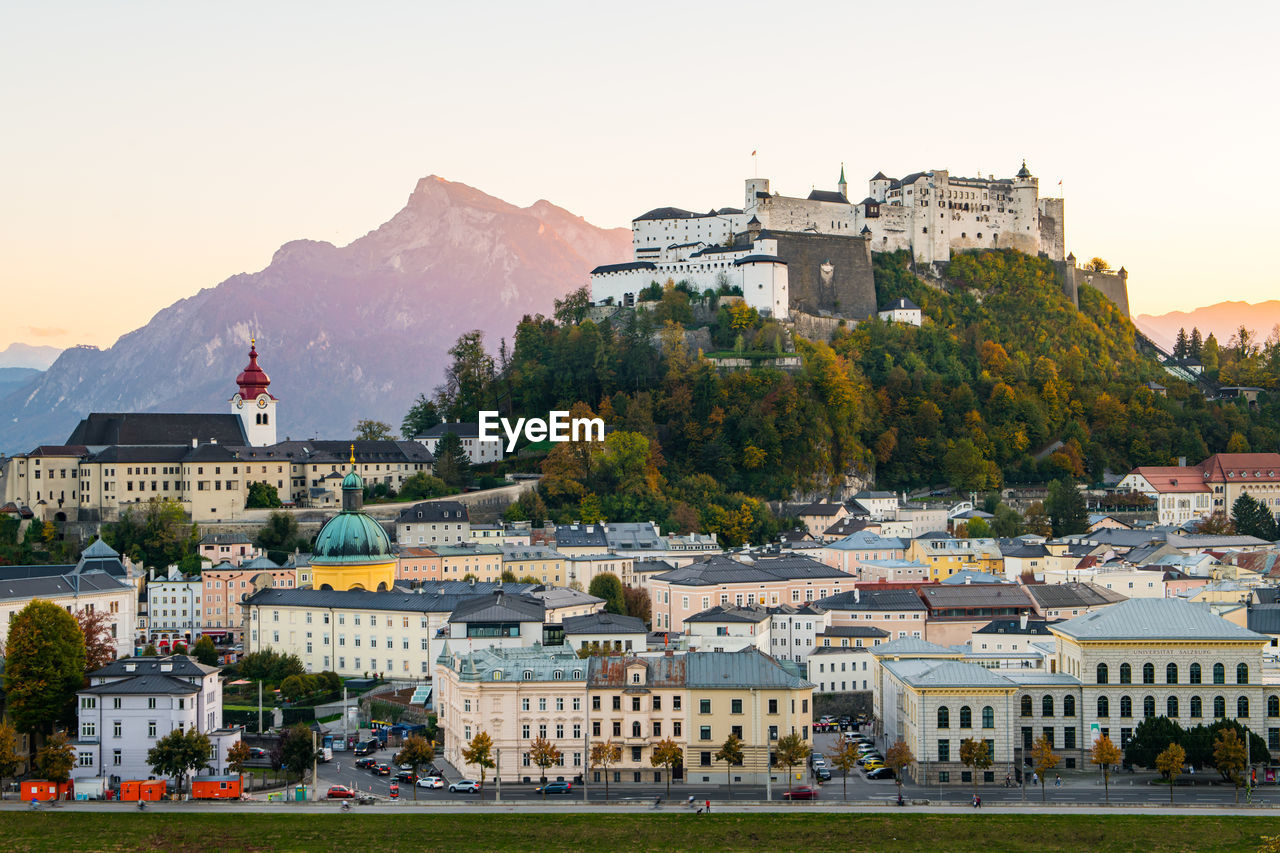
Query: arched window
[1148, 707]
[558, 675]
[1126, 674]
[1219, 707]
[1242, 706]
[1171, 707]
[966, 717]
[1148, 673]
[944, 717]
[1104, 707]
[1046, 706]
[1195, 674]
[1068, 706]
[1273, 706]
[1197, 710]
[635, 729]
[1102, 673]
[528, 675]
[1219, 674]
[989, 717]
[497, 675]
[1026, 706]
[1171, 674]
[1242, 673]
[1126, 706]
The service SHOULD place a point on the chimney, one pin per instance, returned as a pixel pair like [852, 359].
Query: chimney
[1024, 621]
[857, 595]
[195, 442]
[1182, 462]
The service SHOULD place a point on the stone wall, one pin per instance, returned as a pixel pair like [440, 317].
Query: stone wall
[815, 328]
[829, 273]
[1112, 284]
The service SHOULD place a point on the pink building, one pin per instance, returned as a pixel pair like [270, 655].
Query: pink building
[226, 585]
[419, 564]
[230, 548]
[789, 579]
[851, 553]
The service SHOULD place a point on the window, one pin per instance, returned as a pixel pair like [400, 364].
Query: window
[635, 703]
[1047, 732]
[1046, 706]
[1148, 707]
[1104, 707]
[617, 703]
[1126, 706]
[966, 717]
[1171, 707]
[1273, 706]
[704, 706]
[1069, 737]
[989, 719]
[1219, 674]
[944, 750]
[1148, 673]
[704, 733]
[1219, 707]
[1102, 673]
[1126, 674]
[1242, 706]
[151, 728]
[1242, 673]
[1026, 706]
[151, 701]
[944, 717]
[524, 704]
[1068, 706]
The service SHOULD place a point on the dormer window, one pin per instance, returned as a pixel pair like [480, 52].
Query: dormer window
[497, 675]
[635, 678]
[528, 675]
[558, 675]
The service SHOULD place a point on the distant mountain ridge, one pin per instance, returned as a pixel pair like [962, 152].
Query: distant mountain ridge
[344, 332]
[28, 356]
[1221, 318]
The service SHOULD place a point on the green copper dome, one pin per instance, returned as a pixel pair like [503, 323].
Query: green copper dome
[351, 537]
[352, 481]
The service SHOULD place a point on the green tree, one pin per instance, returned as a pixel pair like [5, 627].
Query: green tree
[667, 754]
[294, 688]
[845, 757]
[572, 310]
[205, 652]
[528, 507]
[791, 751]
[469, 379]
[180, 752]
[452, 465]
[1149, 739]
[416, 751]
[1107, 756]
[371, 430]
[480, 753]
[1251, 518]
[279, 537]
[156, 533]
[1043, 759]
[730, 753]
[150, 651]
[1066, 509]
[1230, 757]
[422, 416]
[977, 528]
[44, 667]
[10, 761]
[1007, 524]
[1169, 763]
[544, 755]
[976, 755]
[603, 756]
[55, 759]
[965, 467]
[607, 586]
[421, 486]
[262, 495]
[638, 603]
[298, 753]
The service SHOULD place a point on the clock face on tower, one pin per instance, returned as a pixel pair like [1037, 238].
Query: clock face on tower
[262, 402]
[239, 403]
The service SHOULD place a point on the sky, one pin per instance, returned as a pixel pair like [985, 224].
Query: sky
[152, 149]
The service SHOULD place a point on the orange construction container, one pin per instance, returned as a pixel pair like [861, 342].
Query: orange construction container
[215, 787]
[39, 789]
[151, 790]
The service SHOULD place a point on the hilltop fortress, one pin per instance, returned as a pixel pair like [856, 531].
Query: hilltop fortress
[813, 254]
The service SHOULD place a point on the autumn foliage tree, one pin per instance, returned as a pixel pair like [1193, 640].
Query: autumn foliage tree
[605, 755]
[1107, 756]
[99, 645]
[44, 667]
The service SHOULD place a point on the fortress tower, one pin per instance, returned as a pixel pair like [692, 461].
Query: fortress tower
[255, 405]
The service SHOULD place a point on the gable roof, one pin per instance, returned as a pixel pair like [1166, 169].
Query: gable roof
[873, 599]
[1072, 594]
[100, 429]
[738, 670]
[731, 613]
[902, 303]
[499, 607]
[181, 666]
[431, 512]
[145, 685]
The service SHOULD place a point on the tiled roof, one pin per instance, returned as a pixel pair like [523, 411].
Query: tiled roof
[603, 623]
[499, 607]
[1153, 619]
[730, 613]
[912, 647]
[723, 570]
[146, 685]
[853, 631]
[738, 670]
[430, 597]
[154, 428]
[178, 665]
[431, 512]
[976, 595]
[1072, 594]
[874, 599]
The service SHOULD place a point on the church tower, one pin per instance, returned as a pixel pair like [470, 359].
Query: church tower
[843, 185]
[254, 403]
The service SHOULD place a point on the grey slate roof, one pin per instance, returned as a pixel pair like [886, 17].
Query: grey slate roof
[154, 428]
[828, 196]
[976, 595]
[145, 685]
[179, 666]
[730, 613]
[911, 646]
[499, 607]
[1154, 619]
[580, 535]
[338, 452]
[603, 623]
[431, 597]
[1072, 594]
[1264, 618]
[874, 599]
[927, 673]
[739, 670]
[1036, 627]
[57, 586]
[431, 512]
[853, 631]
[723, 570]
[902, 303]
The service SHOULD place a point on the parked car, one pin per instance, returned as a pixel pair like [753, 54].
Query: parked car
[554, 788]
[257, 752]
[407, 776]
[804, 792]
[365, 763]
[873, 764]
[368, 747]
[881, 773]
[380, 769]
[817, 759]
[430, 782]
[465, 786]
[822, 772]
[869, 759]
[340, 792]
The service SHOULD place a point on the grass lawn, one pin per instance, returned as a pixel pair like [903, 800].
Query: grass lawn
[25, 831]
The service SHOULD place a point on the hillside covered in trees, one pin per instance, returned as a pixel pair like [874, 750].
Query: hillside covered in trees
[1006, 382]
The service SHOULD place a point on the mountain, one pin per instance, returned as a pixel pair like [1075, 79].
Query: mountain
[28, 356]
[13, 378]
[1222, 318]
[345, 333]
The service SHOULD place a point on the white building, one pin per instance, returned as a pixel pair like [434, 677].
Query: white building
[840, 669]
[174, 610]
[794, 630]
[255, 405]
[730, 628]
[902, 310]
[434, 523]
[132, 703]
[606, 632]
[479, 451]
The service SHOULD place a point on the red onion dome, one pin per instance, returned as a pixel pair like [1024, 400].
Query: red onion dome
[253, 380]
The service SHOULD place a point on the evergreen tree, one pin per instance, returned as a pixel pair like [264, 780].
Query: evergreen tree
[452, 466]
[1195, 344]
[279, 537]
[1066, 508]
[1181, 346]
[422, 416]
[1251, 518]
[262, 496]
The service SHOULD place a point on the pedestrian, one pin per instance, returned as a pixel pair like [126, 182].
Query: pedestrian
[1057, 781]
[708, 806]
[1035, 779]
[975, 801]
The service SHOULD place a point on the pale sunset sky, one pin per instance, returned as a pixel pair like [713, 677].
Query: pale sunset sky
[155, 148]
